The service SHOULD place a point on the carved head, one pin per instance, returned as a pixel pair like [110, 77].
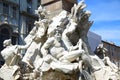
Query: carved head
[36, 23]
[58, 33]
[7, 42]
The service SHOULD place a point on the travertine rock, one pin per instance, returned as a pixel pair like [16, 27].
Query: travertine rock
[56, 75]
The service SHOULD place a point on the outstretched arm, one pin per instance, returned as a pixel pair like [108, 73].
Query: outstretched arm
[22, 47]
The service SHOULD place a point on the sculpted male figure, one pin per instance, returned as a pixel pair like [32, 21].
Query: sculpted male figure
[55, 46]
[103, 51]
[54, 52]
[11, 53]
[37, 34]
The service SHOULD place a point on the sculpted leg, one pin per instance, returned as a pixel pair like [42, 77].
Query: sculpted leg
[72, 55]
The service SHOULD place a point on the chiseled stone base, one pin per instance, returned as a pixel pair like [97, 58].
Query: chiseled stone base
[57, 75]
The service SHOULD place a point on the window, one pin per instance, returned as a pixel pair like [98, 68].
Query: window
[14, 11]
[14, 40]
[29, 27]
[39, 2]
[112, 54]
[5, 8]
[4, 34]
[29, 6]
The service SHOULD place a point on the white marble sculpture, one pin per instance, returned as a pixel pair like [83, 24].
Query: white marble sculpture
[59, 57]
[12, 57]
[12, 52]
[37, 37]
[57, 49]
[107, 66]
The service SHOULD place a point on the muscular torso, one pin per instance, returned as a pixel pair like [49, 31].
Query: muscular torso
[56, 49]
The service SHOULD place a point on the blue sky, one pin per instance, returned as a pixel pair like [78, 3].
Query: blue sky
[106, 17]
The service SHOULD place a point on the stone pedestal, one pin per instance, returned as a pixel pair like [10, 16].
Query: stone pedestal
[54, 5]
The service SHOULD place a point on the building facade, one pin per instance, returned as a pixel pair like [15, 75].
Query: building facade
[16, 19]
[113, 52]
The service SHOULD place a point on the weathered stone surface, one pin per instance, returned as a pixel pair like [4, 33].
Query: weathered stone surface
[56, 75]
[43, 2]
[72, 1]
[47, 1]
[67, 5]
[9, 73]
[59, 5]
[53, 7]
